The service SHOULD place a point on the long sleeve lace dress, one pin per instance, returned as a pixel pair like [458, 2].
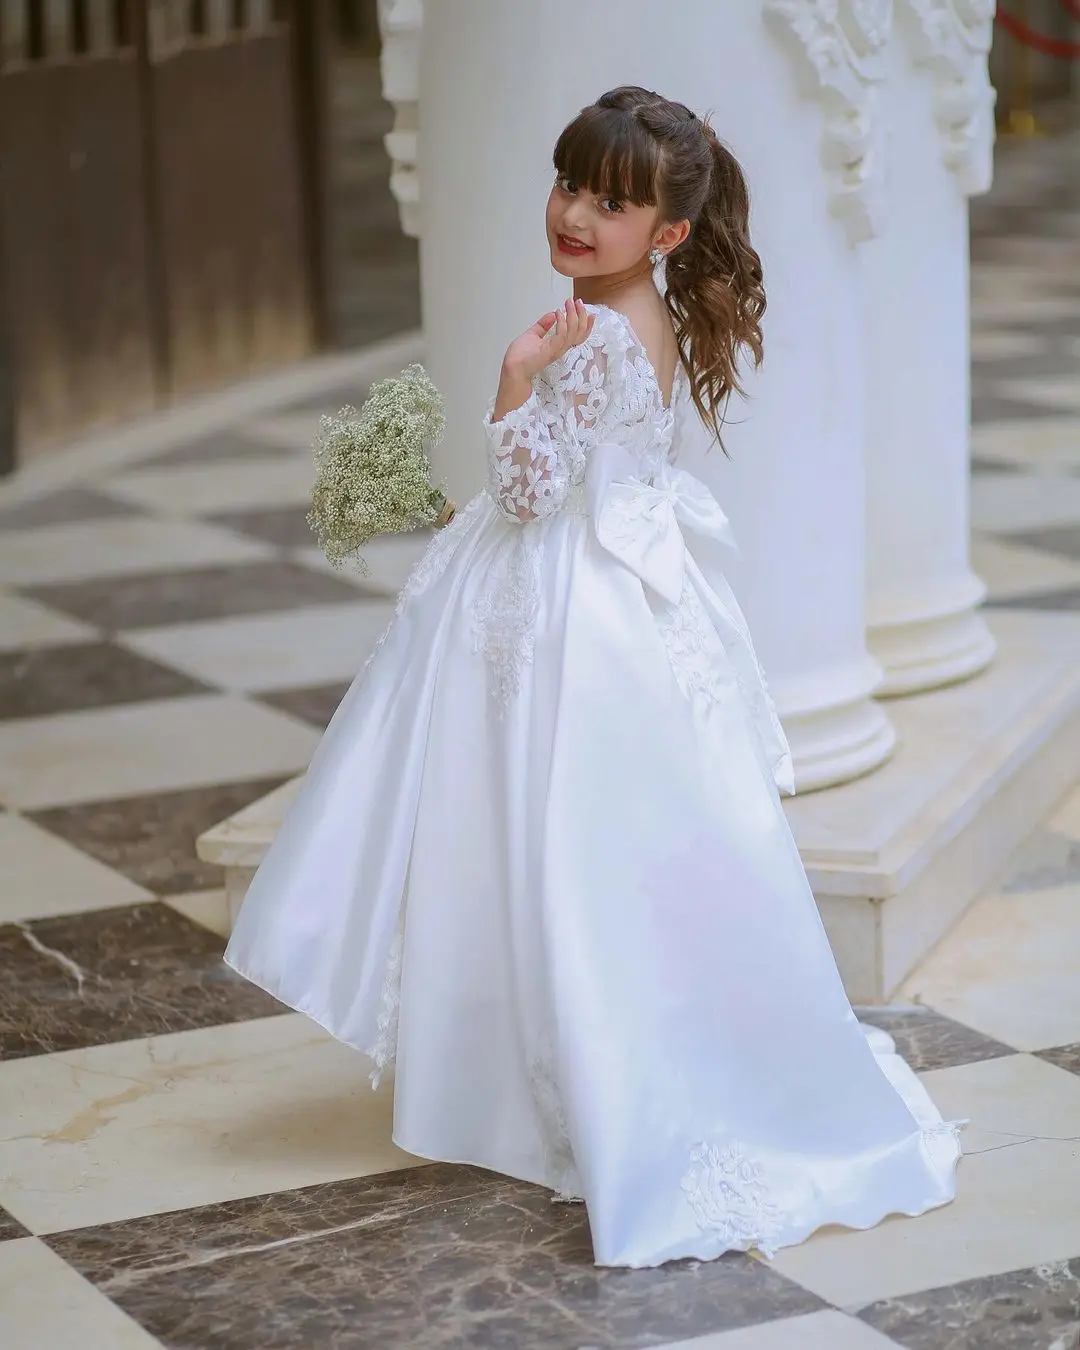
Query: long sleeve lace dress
[539, 863]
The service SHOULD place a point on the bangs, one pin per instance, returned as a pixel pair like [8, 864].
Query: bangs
[608, 152]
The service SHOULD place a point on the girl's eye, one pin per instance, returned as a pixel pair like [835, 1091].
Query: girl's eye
[566, 185]
[611, 205]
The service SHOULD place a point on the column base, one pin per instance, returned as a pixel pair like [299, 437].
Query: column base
[930, 641]
[836, 730]
[839, 745]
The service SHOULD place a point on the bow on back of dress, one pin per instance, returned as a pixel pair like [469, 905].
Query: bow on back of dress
[641, 521]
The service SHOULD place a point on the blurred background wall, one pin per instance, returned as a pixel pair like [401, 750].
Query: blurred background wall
[193, 192]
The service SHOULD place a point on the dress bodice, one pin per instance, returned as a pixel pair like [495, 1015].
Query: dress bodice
[602, 391]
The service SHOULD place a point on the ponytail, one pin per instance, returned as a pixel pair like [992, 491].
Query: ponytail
[715, 290]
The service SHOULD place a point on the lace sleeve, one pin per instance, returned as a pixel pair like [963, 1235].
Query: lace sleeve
[528, 478]
[538, 450]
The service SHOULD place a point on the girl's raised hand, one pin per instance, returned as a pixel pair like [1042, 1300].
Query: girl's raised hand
[550, 336]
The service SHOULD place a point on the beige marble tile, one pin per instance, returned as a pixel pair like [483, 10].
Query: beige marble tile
[1046, 442]
[1000, 280]
[1053, 391]
[117, 548]
[44, 875]
[1003, 502]
[1008, 1100]
[390, 560]
[1012, 570]
[218, 486]
[209, 909]
[24, 623]
[155, 746]
[1007, 304]
[316, 645]
[46, 1305]
[294, 430]
[1010, 969]
[314, 558]
[1003, 344]
[817, 1331]
[1016, 1202]
[139, 1127]
[1066, 820]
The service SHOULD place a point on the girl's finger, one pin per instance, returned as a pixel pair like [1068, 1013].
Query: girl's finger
[573, 327]
[544, 324]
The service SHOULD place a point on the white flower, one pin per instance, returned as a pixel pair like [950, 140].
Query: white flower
[372, 467]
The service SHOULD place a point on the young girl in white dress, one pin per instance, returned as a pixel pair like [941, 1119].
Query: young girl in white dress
[539, 861]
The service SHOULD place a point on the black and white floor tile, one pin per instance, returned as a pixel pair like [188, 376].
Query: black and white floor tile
[185, 1165]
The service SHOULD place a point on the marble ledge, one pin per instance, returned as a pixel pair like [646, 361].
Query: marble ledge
[242, 839]
[959, 748]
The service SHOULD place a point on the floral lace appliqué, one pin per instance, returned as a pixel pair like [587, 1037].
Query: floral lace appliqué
[504, 615]
[691, 645]
[437, 555]
[384, 1052]
[697, 656]
[729, 1196]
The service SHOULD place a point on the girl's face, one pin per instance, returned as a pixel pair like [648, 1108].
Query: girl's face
[591, 236]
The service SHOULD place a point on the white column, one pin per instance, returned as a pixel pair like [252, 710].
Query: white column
[922, 595]
[497, 83]
[490, 113]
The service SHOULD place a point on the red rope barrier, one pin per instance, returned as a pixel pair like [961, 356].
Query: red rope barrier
[1072, 7]
[1057, 47]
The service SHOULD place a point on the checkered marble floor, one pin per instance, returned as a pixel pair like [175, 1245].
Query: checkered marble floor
[185, 1165]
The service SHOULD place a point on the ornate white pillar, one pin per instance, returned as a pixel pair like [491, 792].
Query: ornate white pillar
[922, 595]
[795, 485]
[798, 496]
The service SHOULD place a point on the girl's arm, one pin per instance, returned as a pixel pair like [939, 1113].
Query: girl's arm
[528, 478]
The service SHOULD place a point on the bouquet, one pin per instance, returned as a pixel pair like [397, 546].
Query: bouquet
[372, 467]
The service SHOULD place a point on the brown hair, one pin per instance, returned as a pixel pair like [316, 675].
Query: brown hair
[636, 146]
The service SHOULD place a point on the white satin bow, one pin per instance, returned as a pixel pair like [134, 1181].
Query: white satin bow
[642, 523]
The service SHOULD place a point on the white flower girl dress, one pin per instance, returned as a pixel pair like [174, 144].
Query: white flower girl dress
[539, 861]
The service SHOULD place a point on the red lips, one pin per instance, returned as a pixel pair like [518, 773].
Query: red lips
[574, 247]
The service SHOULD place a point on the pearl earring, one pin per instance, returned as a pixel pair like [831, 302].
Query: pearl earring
[656, 256]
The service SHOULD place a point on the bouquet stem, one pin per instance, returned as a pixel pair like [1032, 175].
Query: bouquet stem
[447, 511]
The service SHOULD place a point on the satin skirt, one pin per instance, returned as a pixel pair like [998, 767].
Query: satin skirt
[541, 865]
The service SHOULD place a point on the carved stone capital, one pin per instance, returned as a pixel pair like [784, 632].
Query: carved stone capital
[400, 22]
[840, 49]
[952, 38]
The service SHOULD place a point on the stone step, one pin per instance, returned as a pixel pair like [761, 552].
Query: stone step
[897, 857]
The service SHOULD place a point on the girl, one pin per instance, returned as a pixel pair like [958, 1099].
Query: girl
[539, 859]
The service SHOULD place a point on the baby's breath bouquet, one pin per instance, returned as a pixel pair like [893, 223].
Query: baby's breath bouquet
[372, 467]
